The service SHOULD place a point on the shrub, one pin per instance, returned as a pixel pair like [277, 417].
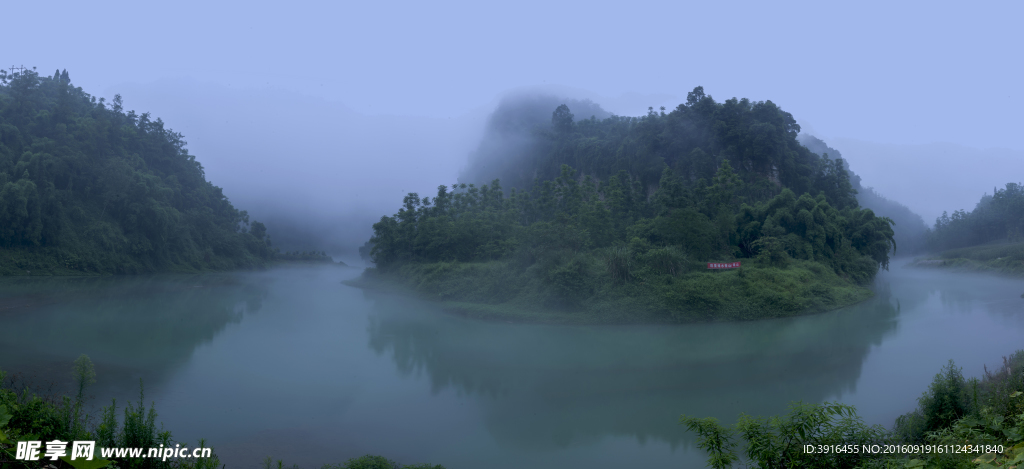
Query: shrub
[619, 262]
[777, 442]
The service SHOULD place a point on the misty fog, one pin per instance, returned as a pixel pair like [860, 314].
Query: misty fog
[688, 249]
[319, 174]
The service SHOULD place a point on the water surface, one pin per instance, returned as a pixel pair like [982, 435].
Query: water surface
[293, 364]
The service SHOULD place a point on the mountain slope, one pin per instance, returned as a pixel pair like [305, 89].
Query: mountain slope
[87, 187]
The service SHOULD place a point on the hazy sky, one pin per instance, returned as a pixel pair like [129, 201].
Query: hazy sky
[899, 72]
[907, 73]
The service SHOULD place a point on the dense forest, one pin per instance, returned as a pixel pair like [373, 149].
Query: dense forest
[88, 187]
[622, 212]
[988, 239]
[997, 217]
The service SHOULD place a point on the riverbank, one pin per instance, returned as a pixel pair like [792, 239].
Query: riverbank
[1002, 259]
[47, 262]
[52, 261]
[498, 291]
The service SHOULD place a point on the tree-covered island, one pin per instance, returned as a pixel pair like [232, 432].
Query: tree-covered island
[622, 214]
[86, 187]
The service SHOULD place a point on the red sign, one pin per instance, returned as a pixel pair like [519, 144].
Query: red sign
[723, 265]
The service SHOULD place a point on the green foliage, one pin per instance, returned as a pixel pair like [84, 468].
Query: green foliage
[1001, 386]
[988, 429]
[714, 438]
[658, 195]
[974, 418]
[86, 187]
[378, 462]
[997, 217]
[84, 374]
[757, 139]
[770, 250]
[775, 442]
[1003, 258]
[651, 293]
[27, 416]
[911, 232]
[949, 398]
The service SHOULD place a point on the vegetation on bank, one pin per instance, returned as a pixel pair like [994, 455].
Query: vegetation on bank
[996, 218]
[968, 418]
[86, 187]
[503, 290]
[988, 239]
[25, 416]
[633, 232]
[998, 258]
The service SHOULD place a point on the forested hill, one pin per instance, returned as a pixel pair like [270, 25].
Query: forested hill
[996, 218]
[623, 211]
[521, 144]
[88, 187]
[757, 138]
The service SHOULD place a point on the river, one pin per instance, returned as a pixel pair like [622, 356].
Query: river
[293, 364]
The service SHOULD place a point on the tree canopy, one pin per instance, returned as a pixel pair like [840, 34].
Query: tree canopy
[711, 178]
[648, 196]
[86, 186]
[996, 217]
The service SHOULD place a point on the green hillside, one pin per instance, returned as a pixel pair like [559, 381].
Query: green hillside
[86, 187]
[622, 234]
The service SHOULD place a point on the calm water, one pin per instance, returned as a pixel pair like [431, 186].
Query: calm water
[291, 363]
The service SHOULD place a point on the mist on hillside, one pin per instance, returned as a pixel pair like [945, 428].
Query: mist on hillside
[317, 173]
[507, 148]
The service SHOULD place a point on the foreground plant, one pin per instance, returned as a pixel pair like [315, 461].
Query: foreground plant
[26, 416]
[959, 423]
[828, 435]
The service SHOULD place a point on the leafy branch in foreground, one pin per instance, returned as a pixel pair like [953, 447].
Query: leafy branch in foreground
[775, 442]
[962, 423]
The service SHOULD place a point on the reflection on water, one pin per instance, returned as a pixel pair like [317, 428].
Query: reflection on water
[292, 363]
[552, 386]
[139, 326]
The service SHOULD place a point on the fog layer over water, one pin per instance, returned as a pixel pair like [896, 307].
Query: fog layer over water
[932, 178]
[293, 364]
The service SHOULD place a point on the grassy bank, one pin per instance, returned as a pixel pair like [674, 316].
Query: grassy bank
[1003, 259]
[588, 292]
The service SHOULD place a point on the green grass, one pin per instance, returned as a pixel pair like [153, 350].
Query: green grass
[1003, 259]
[585, 289]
